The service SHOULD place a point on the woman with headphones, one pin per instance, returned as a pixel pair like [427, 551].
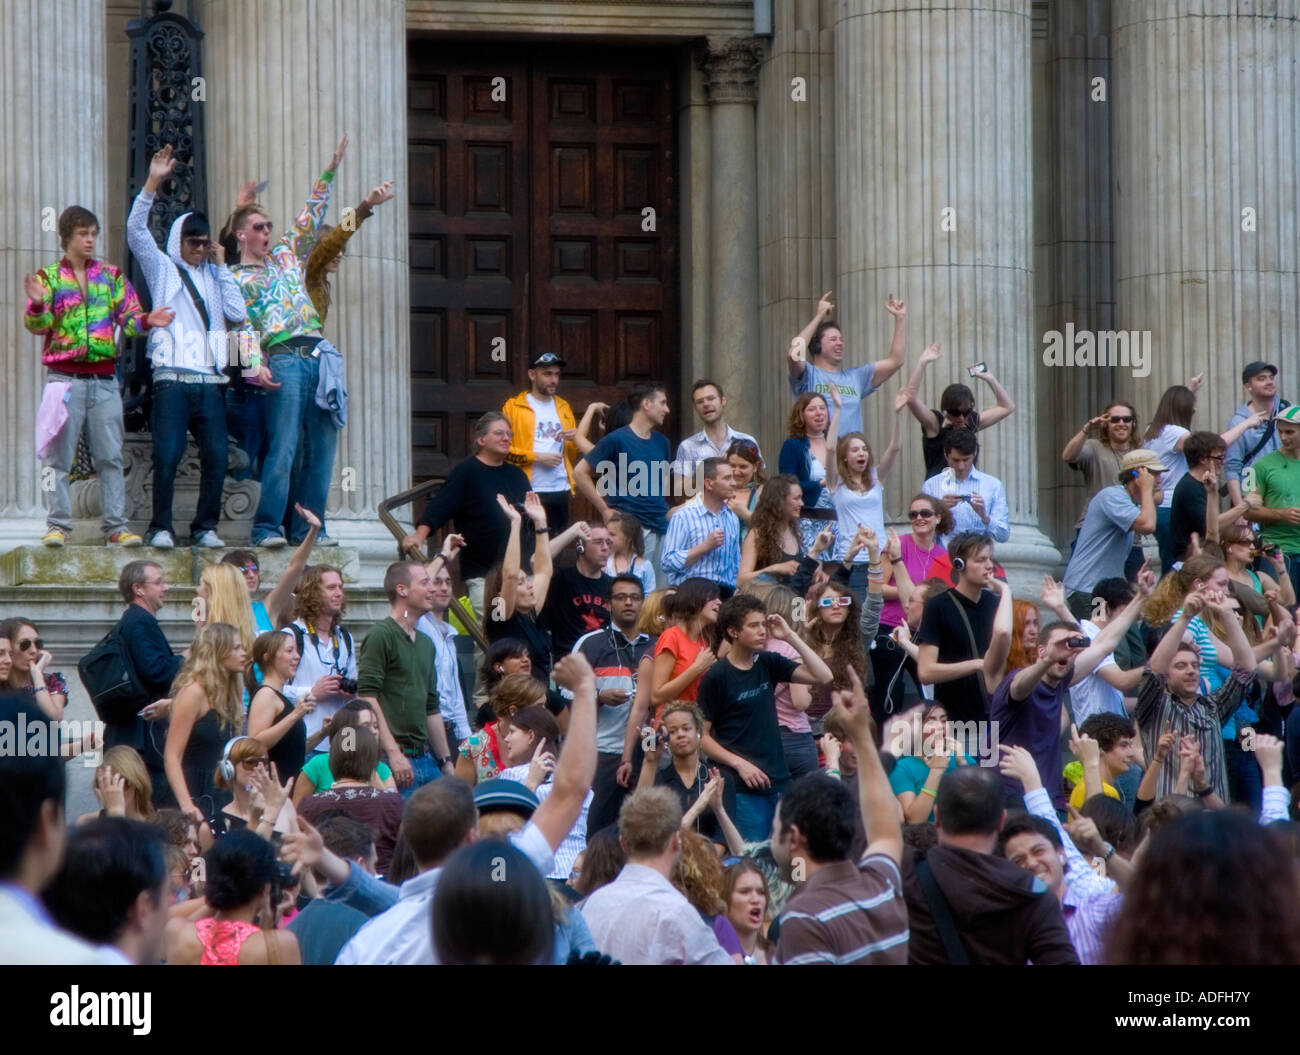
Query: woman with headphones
[257, 796]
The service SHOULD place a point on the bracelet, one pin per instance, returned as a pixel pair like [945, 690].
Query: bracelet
[833, 772]
[542, 531]
[1204, 792]
[927, 791]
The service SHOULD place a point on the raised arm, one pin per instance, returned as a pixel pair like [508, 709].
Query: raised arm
[1252, 421]
[1075, 446]
[312, 213]
[922, 413]
[812, 669]
[1243, 655]
[143, 247]
[279, 602]
[884, 369]
[995, 659]
[1006, 406]
[579, 529]
[582, 440]
[1163, 655]
[1113, 632]
[879, 807]
[576, 767]
[511, 564]
[797, 354]
[895, 439]
[832, 439]
[542, 564]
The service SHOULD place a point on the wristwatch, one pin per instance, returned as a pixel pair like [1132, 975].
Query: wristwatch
[1110, 852]
[445, 761]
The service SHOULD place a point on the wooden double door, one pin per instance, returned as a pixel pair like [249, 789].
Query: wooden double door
[543, 217]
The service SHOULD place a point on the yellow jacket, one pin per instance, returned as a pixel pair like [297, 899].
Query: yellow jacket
[523, 423]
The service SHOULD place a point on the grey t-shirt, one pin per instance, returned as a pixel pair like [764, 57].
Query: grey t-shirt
[854, 385]
[1104, 540]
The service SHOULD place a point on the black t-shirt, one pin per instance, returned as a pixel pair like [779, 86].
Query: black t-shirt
[575, 605]
[942, 625]
[469, 497]
[741, 704]
[1187, 514]
[706, 823]
[932, 446]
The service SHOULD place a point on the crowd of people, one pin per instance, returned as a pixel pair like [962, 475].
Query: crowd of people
[725, 715]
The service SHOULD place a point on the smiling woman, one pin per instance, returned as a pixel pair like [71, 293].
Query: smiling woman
[28, 673]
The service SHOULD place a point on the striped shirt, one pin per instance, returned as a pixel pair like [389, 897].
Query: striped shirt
[575, 842]
[690, 526]
[615, 660]
[847, 914]
[1158, 712]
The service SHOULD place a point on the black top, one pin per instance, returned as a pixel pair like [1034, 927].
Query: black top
[199, 766]
[1187, 515]
[706, 823]
[741, 704]
[942, 625]
[469, 497]
[290, 752]
[575, 605]
[527, 629]
[156, 666]
[932, 446]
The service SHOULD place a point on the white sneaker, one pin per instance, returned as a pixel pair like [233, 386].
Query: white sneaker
[208, 540]
[162, 540]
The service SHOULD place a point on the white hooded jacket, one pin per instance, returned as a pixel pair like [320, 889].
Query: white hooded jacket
[185, 345]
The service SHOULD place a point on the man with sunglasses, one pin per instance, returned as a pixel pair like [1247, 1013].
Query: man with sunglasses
[189, 356]
[281, 313]
[1195, 505]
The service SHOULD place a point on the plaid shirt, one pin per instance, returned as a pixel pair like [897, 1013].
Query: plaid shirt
[78, 327]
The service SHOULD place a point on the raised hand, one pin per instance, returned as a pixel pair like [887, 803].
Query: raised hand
[535, 510]
[1196, 381]
[35, 288]
[247, 193]
[160, 167]
[824, 306]
[893, 545]
[1017, 762]
[311, 518]
[573, 671]
[451, 545]
[1146, 579]
[823, 541]
[852, 704]
[778, 628]
[542, 765]
[339, 152]
[380, 194]
[111, 788]
[896, 307]
[932, 352]
[901, 400]
[1084, 747]
[510, 511]
[1164, 747]
[1085, 834]
[1053, 593]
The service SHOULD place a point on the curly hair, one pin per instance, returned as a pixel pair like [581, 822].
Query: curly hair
[206, 669]
[943, 524]
[1214, 888]
[698, 874]
[840, 646]
[769, 521]
[309, 598]
[1173, 589]
[794, 424]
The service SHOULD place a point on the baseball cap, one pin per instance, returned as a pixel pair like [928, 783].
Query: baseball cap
[1141, 459]
[1291, 415]
[546, 359]
[1257, 367]
[498, 794]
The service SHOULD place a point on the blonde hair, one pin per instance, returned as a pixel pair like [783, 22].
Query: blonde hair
[127, 764]
[513, 693]
[653, 618]
[698, 874]
[228, 601]
[647, 820]
[206, 669]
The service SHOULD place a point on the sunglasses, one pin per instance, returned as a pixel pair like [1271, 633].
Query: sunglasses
[253, 763]
[265, 225]
[246, 568]
[23, 646]
[1116, 419]
[958, 413]
[199, 243]
[919, 514]
[834, 602]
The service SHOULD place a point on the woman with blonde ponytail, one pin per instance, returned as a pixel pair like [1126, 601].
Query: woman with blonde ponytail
[206, 712]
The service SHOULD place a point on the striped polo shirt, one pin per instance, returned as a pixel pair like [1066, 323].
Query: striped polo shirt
[847, 914]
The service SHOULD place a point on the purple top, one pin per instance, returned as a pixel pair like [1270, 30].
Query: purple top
[727, 936]
[917, 561]
[1035, 725]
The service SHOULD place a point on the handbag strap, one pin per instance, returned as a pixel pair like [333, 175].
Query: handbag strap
[1268, 435]
[974, 648]
[193, 291]
[942, 915]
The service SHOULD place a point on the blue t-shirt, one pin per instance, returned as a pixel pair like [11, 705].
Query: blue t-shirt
[634, 475]
[854, 385]
[1105, 539]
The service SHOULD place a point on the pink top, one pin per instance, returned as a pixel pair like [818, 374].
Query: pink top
[222, 940]
[788, 716]
[917, 561]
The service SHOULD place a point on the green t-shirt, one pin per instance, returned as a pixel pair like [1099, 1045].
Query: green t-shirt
[399, 673]
[1277, 482]
[317, 770]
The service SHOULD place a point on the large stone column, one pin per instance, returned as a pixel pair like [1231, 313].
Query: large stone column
[1207, 193]
[731, 65]
[934, 200]
[284, 82]
[52, 155]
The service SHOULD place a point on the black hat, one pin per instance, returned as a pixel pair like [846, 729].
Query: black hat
[546, 359]
[1257, 367]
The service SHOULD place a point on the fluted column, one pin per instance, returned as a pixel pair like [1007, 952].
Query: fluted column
[285, 80]
[731, 65]
[51, 156]
[934, 201]
[1207, 198]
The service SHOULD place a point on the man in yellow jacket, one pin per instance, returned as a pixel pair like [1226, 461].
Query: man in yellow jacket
[543, 445]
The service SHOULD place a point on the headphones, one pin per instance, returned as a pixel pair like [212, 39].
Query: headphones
[958, 563]
[227, 767]
[580, 546]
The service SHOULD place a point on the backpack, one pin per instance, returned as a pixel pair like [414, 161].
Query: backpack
[111, 681]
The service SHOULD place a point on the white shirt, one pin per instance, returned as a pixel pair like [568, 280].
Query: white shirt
[451, 698]
[546, 440]
[575, 842]
[695, 449]
[641, 918]
[1092, 695]
[404, 933]
[1174, 461]
[853, 508]
[317, 661]
[964, 517]
[29, 936]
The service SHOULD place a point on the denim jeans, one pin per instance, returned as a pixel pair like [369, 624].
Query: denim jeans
[246, 421]
[95, 404]
[754, 812]
[424, 770]
[293, 418]
[200, 409]
[800, 752]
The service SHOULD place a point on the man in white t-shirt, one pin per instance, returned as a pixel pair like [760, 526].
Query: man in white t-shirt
[544, 432]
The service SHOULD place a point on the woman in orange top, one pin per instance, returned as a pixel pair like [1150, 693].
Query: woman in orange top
[683, 652]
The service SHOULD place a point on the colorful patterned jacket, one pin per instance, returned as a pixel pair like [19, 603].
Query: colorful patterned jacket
[276, 292]
[78, 328]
